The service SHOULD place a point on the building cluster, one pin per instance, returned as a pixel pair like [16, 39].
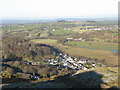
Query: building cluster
[97, 27]
[76, 39]
[73, 63]
[90, 28]
[70, 62]
[65, 61]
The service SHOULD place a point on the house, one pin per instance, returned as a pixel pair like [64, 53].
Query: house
[60, 54]
[28, 63]
[81, 61]
[51, 63]
[62, 21]
[35, 63]
[69, 38]
[68, 29]
[79, 67]
[85, 68]
[65, 28]
[21, 26]
[75, 39]
[53, 29]
[72, 61]
[65, 55]
[75, 64]
[35, 77]
[93, 64]
[83, 40]
[65, 63]
[55, 61]
[75, 59]
[96, 29]
[71, 66]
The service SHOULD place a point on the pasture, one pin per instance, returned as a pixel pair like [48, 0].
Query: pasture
[61, 32]
[94, 45]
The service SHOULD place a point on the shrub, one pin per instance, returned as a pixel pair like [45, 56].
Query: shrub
[28, 69]
[53, 71]
[10, 71]
[45, 72]
[16, 63]
[23, 75]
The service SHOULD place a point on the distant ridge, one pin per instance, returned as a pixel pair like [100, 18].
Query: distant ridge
[28, 21]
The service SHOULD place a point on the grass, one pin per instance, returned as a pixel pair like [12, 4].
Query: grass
[61, 32]
[44, 35]
[45, 41]
[111, 58]
[98, 39]
[94, 44]
[80, 31]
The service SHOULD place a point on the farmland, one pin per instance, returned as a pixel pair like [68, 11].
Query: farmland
[45, 51]
[74, 38]
[94, 45]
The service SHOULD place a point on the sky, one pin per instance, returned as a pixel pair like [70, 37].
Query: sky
[28, 9]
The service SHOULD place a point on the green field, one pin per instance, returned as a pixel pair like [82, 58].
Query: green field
[45, 41]
[61, 32]
[94, 45]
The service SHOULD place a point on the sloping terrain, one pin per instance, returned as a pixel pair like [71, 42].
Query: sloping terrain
[20, 48]
[101, 77]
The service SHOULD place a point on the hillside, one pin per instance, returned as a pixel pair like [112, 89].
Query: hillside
[18, 48]
[101, 77]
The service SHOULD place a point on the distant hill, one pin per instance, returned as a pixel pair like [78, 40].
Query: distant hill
[41, 20]
[91, 19]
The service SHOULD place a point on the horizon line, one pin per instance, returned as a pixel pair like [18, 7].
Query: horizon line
[52, 18]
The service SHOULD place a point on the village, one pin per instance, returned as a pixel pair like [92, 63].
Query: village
[76, 39]
[65, 61]
[70, 62]
[73, 63]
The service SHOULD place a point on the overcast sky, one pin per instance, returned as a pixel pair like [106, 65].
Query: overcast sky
[57, 8]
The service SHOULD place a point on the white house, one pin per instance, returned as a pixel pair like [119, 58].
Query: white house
[84, 68]
[65, 63]
[69, 38]
[80, 61]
